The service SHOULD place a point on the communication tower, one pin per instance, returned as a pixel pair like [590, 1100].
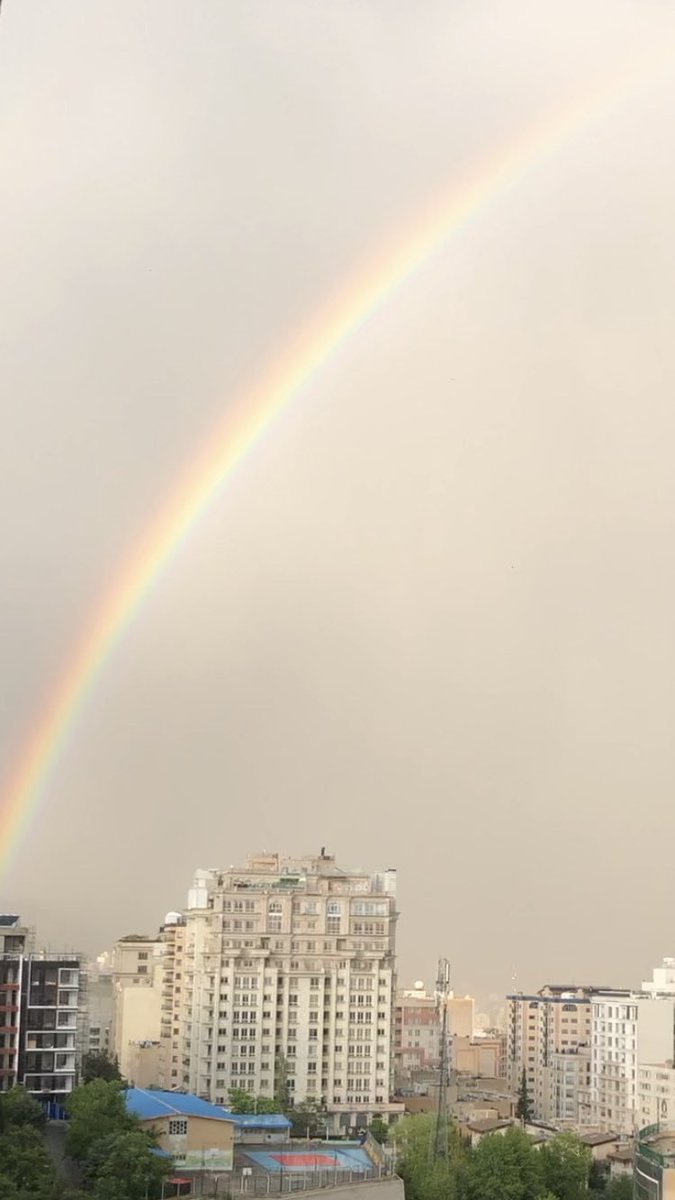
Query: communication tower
[440, 1144]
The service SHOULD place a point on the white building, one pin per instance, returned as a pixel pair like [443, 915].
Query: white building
[627, 1032]
[289, 977]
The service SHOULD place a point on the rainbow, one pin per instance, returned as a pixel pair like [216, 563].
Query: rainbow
[356, 302]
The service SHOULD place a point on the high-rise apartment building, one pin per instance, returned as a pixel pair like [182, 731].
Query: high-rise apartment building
[417, 1034]
[99, 1009]
[596, 1056]
[630, 1030]
[549, 1038]
[137, 986]
[172, 935]
[287, 982]
[41, 1009]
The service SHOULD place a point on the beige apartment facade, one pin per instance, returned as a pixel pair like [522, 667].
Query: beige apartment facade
[289, 978]
[461, 1013]
[480, 1056]
[137, 1000]
[417, 1034]
[549, 1038]
[655, 1093]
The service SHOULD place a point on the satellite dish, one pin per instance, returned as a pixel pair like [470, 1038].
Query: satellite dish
[419, 985]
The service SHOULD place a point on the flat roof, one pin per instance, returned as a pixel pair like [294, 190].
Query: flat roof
[488, 1125]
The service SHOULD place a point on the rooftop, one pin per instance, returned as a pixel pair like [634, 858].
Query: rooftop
[598, 1139]
[152, 1105]
[488, 1125]
[258, 1120]
[657, 1143]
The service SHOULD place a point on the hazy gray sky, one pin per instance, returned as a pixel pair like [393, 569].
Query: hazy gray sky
[430, 622]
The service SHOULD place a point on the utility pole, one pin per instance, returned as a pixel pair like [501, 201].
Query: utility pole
[440, 1149]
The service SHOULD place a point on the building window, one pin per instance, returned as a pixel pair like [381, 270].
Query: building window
[177, 1127]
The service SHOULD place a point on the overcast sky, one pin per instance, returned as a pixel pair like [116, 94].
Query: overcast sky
[429, 624]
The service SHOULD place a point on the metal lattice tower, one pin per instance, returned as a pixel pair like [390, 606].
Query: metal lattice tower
[440, 1144]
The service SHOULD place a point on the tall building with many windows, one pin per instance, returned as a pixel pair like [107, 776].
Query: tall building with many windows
[41, 1015]
[288, 978]
[417, 1034]
[629, 1032]
[549, 1040]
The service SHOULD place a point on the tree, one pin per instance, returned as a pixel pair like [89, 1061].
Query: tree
[306, 1120]
[95, 1110]
[126, 1166]
[245, 1102]
[98, 1064]
[565, 1164]
[24, 1162]
[597, 1176]
[18, 1107]
[379, 1130]
[426, 1177]
[523, 1106]
[620, 1189]
[505, 1167]
[282, 1091]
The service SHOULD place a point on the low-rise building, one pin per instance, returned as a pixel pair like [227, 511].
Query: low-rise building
[477, 1130]
[620, 1161]
[199, 1136]
[601, 1145]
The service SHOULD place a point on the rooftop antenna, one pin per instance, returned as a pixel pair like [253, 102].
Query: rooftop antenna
[440, 1144]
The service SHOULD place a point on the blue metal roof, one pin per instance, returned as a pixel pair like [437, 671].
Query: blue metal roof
[259, 1120]
[150, 1105]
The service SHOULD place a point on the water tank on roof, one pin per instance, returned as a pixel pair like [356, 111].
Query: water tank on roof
[173, 918]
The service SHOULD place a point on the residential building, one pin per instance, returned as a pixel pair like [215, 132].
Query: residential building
[655, 1093]
[417, 1034]
[289, 977]
[172, 935]
[480, 1056]
[51, 1021]
[630, 1030]
[99, 1014]
[549, 1038]
[41, 1005]
[600, 1145]
[460, 1016]
[137, 982]
[476, 1130]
